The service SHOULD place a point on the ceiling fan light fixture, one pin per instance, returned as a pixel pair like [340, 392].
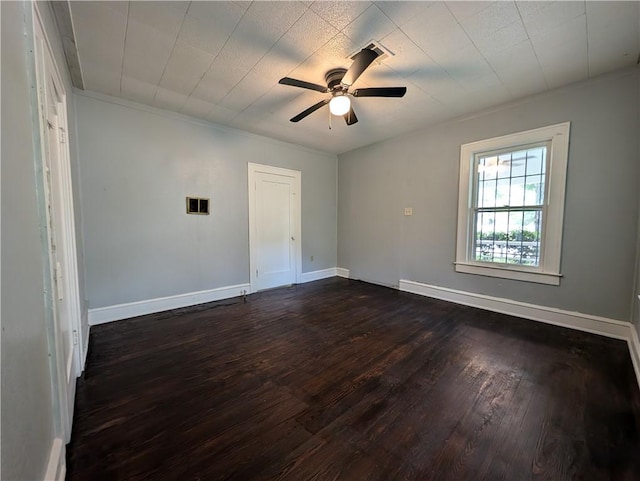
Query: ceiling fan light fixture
[340, 105]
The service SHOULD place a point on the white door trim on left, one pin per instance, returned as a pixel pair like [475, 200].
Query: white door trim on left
[56, 467]
[50, 96]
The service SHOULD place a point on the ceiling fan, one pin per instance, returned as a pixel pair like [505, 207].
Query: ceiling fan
[339, 80]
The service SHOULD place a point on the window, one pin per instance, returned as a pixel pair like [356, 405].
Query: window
[511, 205]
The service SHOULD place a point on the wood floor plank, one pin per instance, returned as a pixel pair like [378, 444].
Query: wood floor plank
[344, 380]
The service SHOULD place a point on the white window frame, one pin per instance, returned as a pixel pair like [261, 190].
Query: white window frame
[548, 270]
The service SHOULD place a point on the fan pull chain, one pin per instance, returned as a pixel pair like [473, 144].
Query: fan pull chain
[329, 119]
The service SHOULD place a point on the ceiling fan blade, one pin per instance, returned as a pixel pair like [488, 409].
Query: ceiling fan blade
[302, 84]
[350, 117]
[310, 110]
[360, 63]
[380, 92]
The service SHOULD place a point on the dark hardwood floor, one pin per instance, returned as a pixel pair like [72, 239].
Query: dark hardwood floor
[343, 380]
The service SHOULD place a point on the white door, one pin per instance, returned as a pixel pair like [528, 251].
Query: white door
[64, 348]
[274, 211]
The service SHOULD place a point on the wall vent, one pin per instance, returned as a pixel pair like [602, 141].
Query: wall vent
[197, 205]
[377, 47]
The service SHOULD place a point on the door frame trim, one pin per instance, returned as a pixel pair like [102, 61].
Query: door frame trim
[253, 169]
[44, 58]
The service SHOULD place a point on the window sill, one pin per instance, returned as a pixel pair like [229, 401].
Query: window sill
[509, 273]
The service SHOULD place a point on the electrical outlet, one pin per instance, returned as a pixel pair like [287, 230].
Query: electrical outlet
[408, 211]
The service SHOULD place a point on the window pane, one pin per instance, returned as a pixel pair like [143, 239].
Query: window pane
[508, 237]
[524, 238]
[534, 190]
[487, 193]
[516, 195]
[536, 160]
[487, 167]
[518, 161]
[480, 185]
[491, 236]
[504, 166]
[503, 187]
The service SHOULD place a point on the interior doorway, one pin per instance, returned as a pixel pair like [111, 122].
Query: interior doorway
[274, 226]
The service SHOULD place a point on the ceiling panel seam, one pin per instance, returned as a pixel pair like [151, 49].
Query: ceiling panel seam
[124, 46]
[535, 53]
[172, 50]
[258, 61]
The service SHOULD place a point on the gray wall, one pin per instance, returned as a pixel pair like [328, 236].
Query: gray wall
[137, 166]
[27, 415]
[420, 170]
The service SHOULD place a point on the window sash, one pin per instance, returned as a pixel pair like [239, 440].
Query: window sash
[524, 246]
[474, 209]
[512, 149]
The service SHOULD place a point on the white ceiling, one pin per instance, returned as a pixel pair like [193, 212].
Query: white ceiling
[221, 61]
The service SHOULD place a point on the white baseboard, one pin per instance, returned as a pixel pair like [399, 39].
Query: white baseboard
[56, 468]
[101, 315]
[550, 315]
[634, 350]
[317, 275]
[341, 272]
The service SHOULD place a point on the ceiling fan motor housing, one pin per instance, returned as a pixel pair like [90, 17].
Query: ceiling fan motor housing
[333, 78]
